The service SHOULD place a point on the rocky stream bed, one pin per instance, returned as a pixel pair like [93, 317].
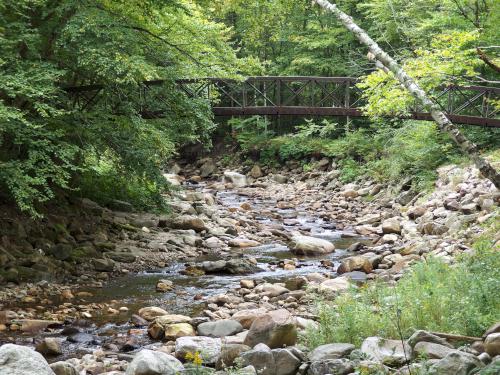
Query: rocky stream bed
[233, 274]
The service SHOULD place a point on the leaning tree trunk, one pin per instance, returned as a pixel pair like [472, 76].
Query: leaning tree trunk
[444, 123]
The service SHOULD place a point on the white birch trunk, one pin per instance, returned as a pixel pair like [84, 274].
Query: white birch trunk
[442, 120]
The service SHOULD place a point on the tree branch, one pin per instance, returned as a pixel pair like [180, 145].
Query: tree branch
[487, 61]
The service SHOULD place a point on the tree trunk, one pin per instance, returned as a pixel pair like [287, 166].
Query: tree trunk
[444, 123]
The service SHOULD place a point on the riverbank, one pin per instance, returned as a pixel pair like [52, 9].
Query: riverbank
[239, 246]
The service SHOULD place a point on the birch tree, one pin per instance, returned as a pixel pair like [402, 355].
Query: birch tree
[442, 120]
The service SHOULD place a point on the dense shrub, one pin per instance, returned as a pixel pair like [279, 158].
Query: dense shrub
[463, 298]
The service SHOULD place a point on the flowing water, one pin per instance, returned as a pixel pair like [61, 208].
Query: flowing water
[138, 290]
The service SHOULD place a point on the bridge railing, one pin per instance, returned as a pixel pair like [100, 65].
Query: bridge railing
[301, 96]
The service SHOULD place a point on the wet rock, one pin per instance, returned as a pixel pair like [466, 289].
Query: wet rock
[220, 328]
[122, 257]
[305, 245]
[331, 366]
[492, 344]
[36, 325]
[286, 362]
[243, 242]
[21, 360]
[148, 362]
[355, 263]
[49, 346]
[237, 179]
[331, 351]
[103, 265]
[389, 352]
[187, 222]
[83, 338]
[275, 329]
[208, 347]
[233, 266]
[63, 368]
[261, 358]
[137, 321]
[164, 285]
[456, 363]
[229, 353]
[149, 313]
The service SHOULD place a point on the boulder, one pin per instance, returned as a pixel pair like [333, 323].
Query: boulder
[187, 222]
[49, 346]
[305, 245]
[246, 317]
[229, 353]
[492, 344]
[21, 360]
[148, 362]
[275, 329]
[391, 226]
[355, 263]
[456, 363]
[164, 285]
[235, 178]
[64, 368]
[286, 362]
[421, 335]
[331, 366]
[261, 358]
[392, 353]
[331, 351]
[243, 242]
[336, 285]
[280, 179]
[431, 350]
[234, 266]
[103, 265]
[207, 168]
[149, 313]
[416, 212]
[255, 172]
[174, 331]
[121, 256]
[208, 347]
[220, 328]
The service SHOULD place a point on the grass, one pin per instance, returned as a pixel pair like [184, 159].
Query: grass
[463, 298]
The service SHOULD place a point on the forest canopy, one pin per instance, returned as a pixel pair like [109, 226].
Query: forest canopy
[48, 146]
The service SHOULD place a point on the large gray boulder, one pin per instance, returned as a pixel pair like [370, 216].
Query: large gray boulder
[331, 366]
[220, 328]
[148, 362]
[392, 353]
[275, 329]
[21, 360]
[456, 363]
[208, 347]
[306, 245]
[286, 362]
[261, 358]
[431, 350]
[331, 351]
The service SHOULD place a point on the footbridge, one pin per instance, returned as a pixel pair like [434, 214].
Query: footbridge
[303, 96]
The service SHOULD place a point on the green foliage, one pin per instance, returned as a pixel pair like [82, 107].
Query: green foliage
[46, 146]
[463, 298]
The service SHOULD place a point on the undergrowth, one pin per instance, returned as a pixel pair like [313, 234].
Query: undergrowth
[386, 151]
[463, 298]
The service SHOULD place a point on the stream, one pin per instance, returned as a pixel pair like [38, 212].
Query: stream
[137, 290]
